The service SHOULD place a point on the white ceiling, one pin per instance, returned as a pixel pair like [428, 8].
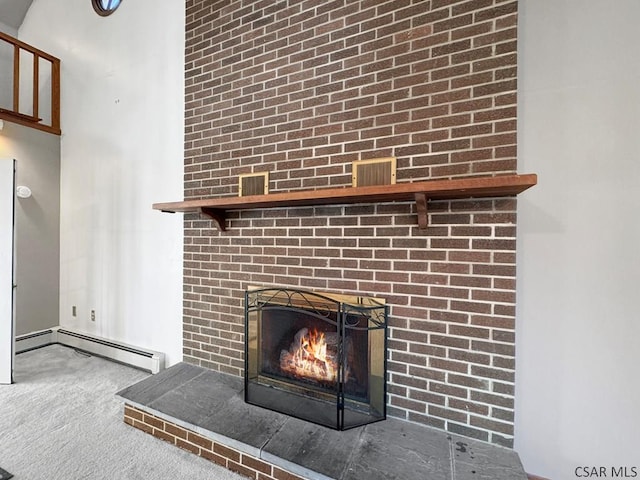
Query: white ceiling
[12, 12]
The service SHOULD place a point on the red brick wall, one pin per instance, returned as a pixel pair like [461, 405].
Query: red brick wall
[302, 89]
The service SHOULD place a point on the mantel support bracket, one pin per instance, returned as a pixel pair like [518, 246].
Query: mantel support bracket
[421, 204]
[217, 215]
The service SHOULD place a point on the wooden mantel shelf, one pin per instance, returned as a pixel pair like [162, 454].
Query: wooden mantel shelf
[420, 192]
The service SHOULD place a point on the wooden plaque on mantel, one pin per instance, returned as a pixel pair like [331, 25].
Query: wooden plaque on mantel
[253, 184]
[375, 171]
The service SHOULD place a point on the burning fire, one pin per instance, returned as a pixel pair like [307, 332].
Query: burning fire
[308, 357]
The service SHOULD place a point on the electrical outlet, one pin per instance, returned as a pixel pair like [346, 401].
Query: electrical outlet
[74, 311]
[93, 315]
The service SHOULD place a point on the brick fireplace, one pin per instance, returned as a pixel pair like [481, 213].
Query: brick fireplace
[304, 88]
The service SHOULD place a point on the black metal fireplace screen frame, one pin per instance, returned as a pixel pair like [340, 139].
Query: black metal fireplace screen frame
[332, 406]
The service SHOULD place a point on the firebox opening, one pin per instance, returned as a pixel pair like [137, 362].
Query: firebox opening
[315, 357]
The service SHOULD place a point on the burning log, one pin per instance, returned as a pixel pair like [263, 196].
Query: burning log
[312, 355]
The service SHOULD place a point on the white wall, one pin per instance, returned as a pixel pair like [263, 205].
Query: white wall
[6, 68]
[578, 391]
[37, 225]
[8, 30]
[121, 150]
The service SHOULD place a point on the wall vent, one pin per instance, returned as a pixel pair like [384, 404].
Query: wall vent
[376, 171]
[253, 184]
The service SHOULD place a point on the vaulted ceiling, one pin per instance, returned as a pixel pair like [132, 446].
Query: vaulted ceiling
[12, 12]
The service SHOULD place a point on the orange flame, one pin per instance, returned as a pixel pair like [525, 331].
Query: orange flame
[308, 358]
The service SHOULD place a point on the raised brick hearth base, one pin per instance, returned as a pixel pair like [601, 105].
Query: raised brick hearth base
[203, 447]
[203, 412]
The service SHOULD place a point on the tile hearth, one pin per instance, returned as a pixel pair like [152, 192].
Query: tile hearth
[203, 411]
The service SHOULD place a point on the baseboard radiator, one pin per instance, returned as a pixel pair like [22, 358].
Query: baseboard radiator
[143, 359]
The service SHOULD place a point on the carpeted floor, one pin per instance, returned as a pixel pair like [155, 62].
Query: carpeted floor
[61, 421]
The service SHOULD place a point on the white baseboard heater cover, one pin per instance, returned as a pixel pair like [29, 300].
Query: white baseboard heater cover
[143, 359]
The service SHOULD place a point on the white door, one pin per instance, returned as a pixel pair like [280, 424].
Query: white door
[7, 197]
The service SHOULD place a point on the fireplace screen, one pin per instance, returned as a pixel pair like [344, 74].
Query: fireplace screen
[316, 357]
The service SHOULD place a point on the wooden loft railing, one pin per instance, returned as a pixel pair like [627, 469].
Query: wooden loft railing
[25, 76]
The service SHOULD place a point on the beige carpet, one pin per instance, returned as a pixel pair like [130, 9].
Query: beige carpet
[61, 421]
